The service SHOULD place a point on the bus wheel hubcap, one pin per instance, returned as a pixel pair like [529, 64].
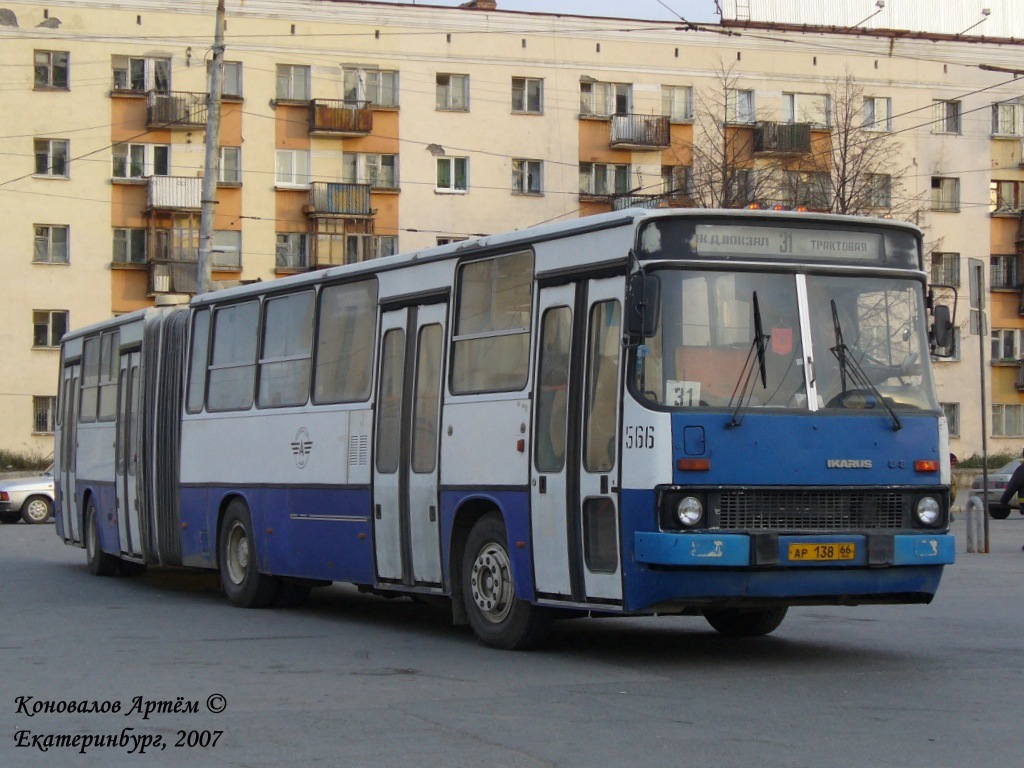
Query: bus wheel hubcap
[491, 583]
[238, 553]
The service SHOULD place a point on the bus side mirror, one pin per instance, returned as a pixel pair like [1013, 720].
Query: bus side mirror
[942, 327]
[643, 305]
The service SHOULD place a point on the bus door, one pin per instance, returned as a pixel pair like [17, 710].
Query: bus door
[71, 388]
[574, 493]
[126, 455]
[406, 514]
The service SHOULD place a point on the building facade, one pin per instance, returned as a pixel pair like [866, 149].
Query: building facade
[352, 130]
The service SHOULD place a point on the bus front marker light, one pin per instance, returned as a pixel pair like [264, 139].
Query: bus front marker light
[689, 511]
[928, 511]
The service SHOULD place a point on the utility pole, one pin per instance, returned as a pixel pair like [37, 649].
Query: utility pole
[209, 194]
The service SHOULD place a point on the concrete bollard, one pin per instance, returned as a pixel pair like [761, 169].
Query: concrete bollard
[975, 523]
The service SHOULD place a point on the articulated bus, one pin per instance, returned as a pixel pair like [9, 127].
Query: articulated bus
[716, 413]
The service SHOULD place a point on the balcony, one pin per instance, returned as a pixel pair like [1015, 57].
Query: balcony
[176, 193]
[782, 138]
[173, 276]
[332, 117]
[176, 110]
[1020, 376]
[338, 199]
[621, 202]
[640, 132]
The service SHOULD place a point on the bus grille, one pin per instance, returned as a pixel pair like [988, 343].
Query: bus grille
[816, 510]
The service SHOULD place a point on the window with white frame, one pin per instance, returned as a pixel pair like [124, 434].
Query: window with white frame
[52, 157]
[51, 69]
[44, 414]
[292, 168]
[1006, 196]
[138, 74]
[952, 413]
[231, 82]
[363, 247]
[452, 92]
[945, 193]
[226, 250]
[139, 161]
[229, 165]
[292, 250]
[377, 86]
[877, 113]
[739, 106]
[677, 103]
[605, 99]
[813, 190]
[452, 174]
[945, 268]
[946, 116]
[48, 327]
[527, 95]
[812, 108]
[1006, 345]
[129, 245]
[1008, 119]
[676, 180]
[1004, 271]
[380, 171]
[878, 190]
[1007, 420]
[740, 186]
[293, 82]
[527, 177]
[450, 240]
[51, 244]
[602, 179]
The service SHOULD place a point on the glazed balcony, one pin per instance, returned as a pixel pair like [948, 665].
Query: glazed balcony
[333, 117]
[173, 276]
[782, 138]
[328, 198]
[176, 110]
[640, 132]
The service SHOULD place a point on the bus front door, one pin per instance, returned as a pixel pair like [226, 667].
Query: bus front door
[68, 449]
[406, 516]
[574, 493]
[126, 455]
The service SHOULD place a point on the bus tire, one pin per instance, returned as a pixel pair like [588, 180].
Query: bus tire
[100, 563]
[498, 618]
[240, 578]
[737, 622]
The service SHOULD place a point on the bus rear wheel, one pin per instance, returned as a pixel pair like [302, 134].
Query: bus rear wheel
[737, 622]
[498, 618]
[100, 563]
[240, 578]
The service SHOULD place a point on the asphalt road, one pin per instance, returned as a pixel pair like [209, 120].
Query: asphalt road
[354, 680]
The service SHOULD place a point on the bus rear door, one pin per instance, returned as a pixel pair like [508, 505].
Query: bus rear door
[126, 460]
[71, 387]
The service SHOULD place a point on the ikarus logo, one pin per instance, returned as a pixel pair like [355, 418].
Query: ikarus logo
[848, 463]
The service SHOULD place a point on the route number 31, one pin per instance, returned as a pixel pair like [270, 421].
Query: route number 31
[639, 437]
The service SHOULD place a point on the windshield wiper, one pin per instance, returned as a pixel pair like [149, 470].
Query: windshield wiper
[744, 384]
[850, 369]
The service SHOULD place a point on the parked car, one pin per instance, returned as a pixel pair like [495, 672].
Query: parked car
[996, 485]
[27, 498]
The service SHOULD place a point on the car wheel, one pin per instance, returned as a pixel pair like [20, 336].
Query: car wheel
[36, 509]
[997, 512]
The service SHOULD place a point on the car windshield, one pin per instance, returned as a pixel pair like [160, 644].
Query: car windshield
[1010, 468]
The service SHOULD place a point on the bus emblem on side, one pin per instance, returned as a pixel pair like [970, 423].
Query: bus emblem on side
[302, 446]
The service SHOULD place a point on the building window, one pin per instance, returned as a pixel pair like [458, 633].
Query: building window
[292, 250]
[138, 161]
[952, 413]
[229, 165]
[450, 240]
[52, 157]
[1006, 196]
[129, 245]
[51, 69]
[813, 190]
[363, 247]
[877, 114]
[677, 103]
[293, 82]
[44, 414]
[879, 190]
[138, 75]
[946, 116]
[48, 327]
[676, 180]
[605, 99]
[292, 168]
[379, 171]
[1008, 119]
[812, 108]
[739, 106]
[601, 179]
[452, 92]
[527, 95]
[740, 188]
[1007, 420]
[945, 268]
[945, 194]
[377, 86]
[452, 174]
[1006, 346]
[51, 245]
[527, 177]
[227, 249]
[231, 83]
[1004, 271]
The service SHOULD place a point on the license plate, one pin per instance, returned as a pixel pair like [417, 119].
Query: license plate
[822, 552]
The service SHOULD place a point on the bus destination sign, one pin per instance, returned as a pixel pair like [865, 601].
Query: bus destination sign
[787, 243]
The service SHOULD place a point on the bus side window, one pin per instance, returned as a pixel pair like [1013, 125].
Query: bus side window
[197, 360]
[553, 389]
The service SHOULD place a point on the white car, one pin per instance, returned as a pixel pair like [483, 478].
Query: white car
[27, 498]
[997, 482]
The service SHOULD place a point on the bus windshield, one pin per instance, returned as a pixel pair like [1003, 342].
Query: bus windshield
[829, 342]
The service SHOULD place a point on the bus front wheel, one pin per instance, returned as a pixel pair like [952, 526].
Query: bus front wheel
[240, 578]
[498, 618]
[736, 622]
[100, 563]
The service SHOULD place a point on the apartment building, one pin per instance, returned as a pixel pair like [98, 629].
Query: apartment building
[352, 130]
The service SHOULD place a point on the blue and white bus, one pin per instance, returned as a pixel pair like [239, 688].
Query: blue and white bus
[718, 413]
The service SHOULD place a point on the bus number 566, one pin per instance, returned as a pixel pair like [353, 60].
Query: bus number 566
[639, 437]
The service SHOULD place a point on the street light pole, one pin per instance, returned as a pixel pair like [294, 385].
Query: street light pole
[209, 194]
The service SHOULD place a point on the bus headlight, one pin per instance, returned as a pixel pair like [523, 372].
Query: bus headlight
[689, 511]
[928, 511]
